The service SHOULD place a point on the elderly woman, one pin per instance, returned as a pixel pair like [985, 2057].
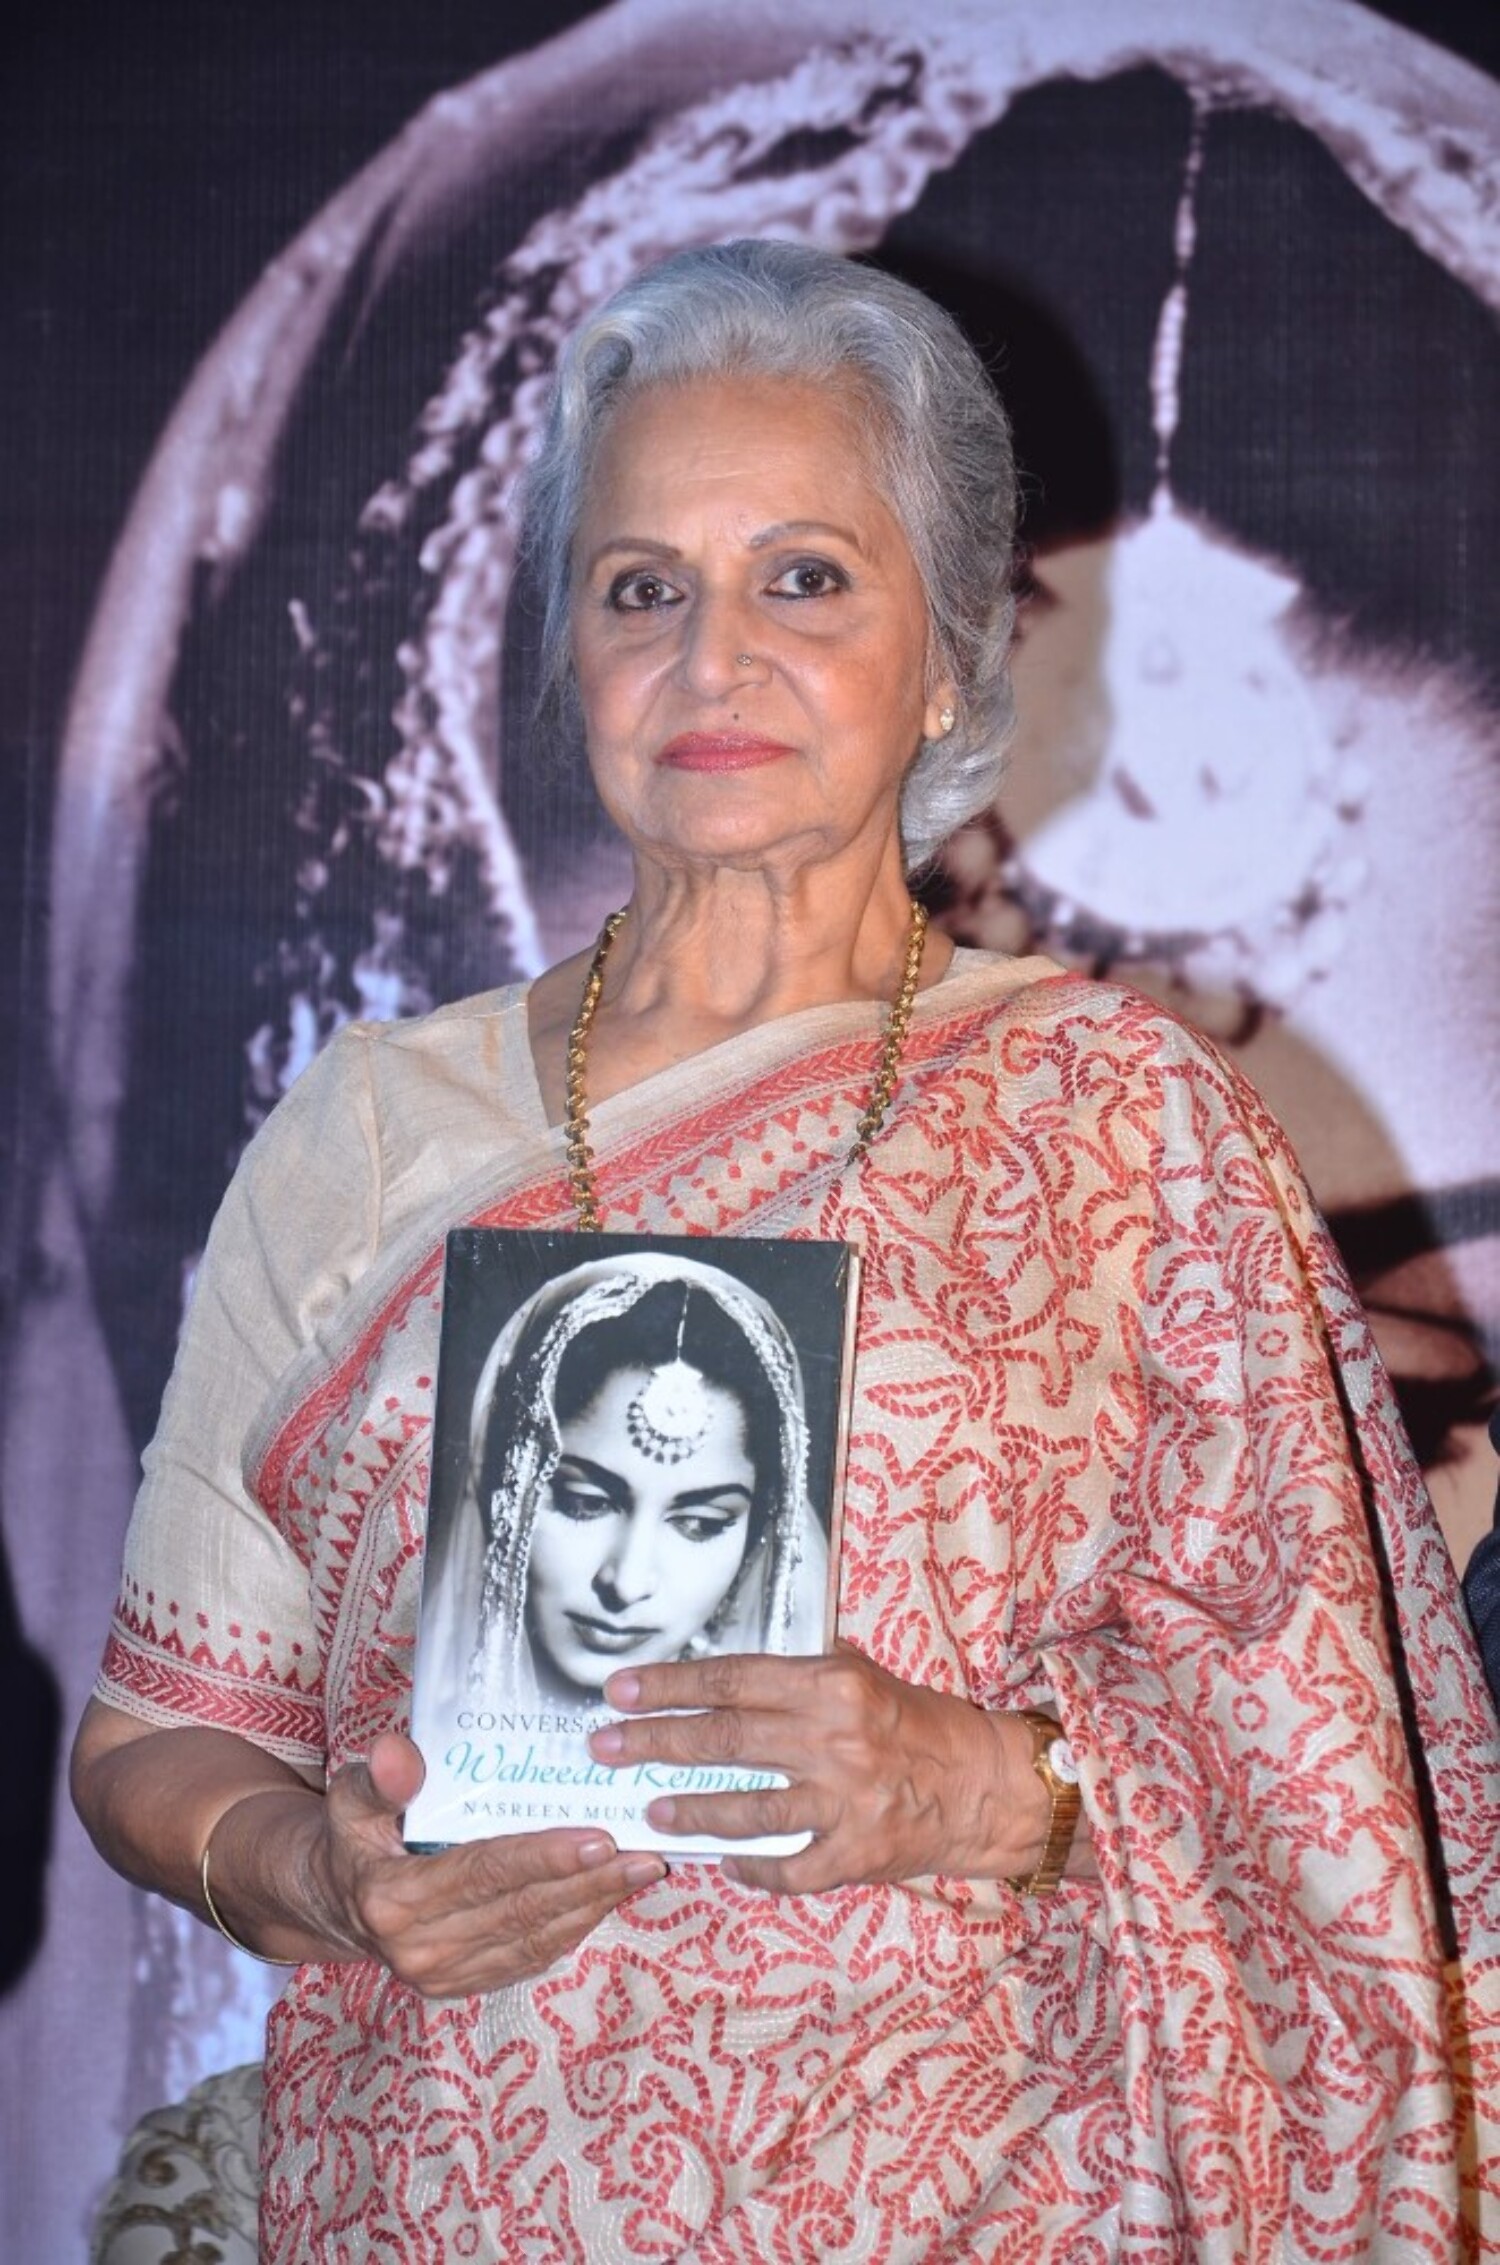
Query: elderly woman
[1118, 1432]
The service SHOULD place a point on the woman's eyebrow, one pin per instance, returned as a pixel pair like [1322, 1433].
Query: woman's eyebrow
[784, 527]
[599, 1474]
[761, 540]
[634, 544]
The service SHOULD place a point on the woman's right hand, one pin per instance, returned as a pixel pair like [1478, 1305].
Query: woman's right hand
[470, 1918]
[301, 1874]
[465, 1919]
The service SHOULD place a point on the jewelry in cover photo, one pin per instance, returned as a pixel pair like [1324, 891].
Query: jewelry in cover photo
[637, 1456]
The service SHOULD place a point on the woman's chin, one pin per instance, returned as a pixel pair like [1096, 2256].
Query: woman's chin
[743, 832]
[721, 847]
[580, 1674]
[559, 1689]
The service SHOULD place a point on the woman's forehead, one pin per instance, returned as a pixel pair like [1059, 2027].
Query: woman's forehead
[751, 451]
[626, 1380]
[614, 1431]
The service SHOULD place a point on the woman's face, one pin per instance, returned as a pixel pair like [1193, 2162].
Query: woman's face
[731, 518]
[631, 1558]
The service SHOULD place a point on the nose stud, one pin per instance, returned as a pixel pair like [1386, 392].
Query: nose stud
[744, 660]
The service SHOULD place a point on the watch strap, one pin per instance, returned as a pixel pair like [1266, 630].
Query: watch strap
[1067, 1802]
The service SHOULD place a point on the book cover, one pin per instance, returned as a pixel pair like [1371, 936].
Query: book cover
[637, 1456]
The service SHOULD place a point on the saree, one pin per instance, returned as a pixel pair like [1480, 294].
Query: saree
[1120, 1447]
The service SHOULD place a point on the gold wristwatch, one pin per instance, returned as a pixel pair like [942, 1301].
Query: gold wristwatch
[1052, 1759]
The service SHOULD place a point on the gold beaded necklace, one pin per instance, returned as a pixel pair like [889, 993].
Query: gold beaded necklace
[576, 1120]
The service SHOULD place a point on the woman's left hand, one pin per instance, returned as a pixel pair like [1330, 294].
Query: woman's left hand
[892, 1780]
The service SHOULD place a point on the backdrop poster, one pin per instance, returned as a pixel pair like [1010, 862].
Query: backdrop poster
[288, 286]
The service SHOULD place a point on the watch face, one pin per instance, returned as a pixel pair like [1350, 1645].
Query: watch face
[1060, 1760]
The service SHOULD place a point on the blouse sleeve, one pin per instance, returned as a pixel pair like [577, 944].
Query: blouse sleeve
[213, 1621]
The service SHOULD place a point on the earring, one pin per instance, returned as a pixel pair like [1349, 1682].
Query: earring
[947, 718]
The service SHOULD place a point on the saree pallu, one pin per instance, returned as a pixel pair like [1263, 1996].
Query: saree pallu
[1120, 1446]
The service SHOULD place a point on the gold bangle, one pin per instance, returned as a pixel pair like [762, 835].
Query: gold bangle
[1052, 1759]
[214, 1913]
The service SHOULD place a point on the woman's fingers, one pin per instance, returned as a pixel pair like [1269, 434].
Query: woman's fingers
[467, 1918]
[723, 1737]
[365, 1801]
[521, 1873]
[520, 1931]
[396, 1769]
[366, 1797]
[733, 1679]
[812, 1871]
[894, 1780]
[744, 1816]
[755, 1712]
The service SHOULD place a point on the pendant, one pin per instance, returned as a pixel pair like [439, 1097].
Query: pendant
[670, 1415]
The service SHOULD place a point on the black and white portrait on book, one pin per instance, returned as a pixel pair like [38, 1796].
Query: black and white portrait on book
[634, 1460]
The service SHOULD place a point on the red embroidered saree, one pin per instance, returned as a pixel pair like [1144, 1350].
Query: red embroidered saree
[1120, 1442]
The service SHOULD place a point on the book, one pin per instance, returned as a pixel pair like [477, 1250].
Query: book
[638, 1450]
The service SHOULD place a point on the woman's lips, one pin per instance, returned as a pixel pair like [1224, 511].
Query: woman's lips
[605, 1636]
[720, 751]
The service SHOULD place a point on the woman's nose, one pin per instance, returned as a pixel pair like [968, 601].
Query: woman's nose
[628, 1575]
[719, 636]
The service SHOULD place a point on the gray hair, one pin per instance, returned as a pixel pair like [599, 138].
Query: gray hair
[941, 458]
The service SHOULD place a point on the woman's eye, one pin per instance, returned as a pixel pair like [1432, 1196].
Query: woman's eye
[809, 578]
[640, 591]
[705, 1525]
[574, 1501]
